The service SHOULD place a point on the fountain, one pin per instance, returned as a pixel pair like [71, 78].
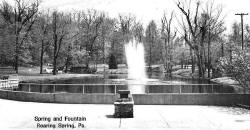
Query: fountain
[136, 67]
[135, 60]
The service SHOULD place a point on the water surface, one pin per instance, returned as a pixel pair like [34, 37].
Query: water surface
[113, 83]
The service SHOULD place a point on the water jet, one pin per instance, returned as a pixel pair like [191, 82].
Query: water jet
[136, 66]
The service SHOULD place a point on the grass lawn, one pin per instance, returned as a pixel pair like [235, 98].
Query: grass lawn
[33, 74]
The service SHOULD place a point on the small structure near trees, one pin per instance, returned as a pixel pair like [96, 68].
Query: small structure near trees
[112, 62]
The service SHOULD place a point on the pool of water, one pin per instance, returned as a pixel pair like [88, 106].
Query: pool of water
[158, 83]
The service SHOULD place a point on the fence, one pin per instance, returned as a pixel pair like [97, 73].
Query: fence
[28, 92]
[9, 83]
[113, 88]
[8, 78]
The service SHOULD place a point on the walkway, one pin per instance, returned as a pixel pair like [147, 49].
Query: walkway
[16, 115]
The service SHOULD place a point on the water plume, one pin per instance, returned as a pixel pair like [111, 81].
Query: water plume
[136, 66]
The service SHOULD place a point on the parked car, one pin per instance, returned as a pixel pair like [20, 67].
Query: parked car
[48, 70]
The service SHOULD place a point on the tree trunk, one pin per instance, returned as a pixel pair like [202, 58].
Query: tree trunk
[55, 42]
[41, 58]
[170, 55]
[164, 57]
[16, 63]
[54, 65]
[231, 51]
[209, 56]
[88, 56]
[200, 64]
[150, 58]
[222, 49]
[66, 64]
[103, 60]
[192, 60]
[54, 58]
[17, 55]
[182, 60]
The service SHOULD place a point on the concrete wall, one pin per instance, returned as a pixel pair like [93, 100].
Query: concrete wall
[74, 98]
[192, 99]
[85, 98]
[3, 94]
[31, 97]
[139, 99]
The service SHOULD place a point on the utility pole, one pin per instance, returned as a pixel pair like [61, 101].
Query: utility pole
[242, 30]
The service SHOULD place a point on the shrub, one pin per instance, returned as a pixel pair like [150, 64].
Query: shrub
[238, 67]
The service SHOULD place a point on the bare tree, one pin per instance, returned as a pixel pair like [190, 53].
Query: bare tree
[214, 29]
[138, 31]
[6, 36]
[22, 16]
[90, 25]
[42, 34]
[196, 30]
[107, 28]
[200, 25]
[126, 25]
[59, 31]
[151, 38]
[168, 35]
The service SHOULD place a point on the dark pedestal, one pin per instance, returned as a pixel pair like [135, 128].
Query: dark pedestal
[124, 105]
[124, 93]
[124, 110]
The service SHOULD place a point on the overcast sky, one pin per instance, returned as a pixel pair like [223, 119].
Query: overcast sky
[146, 10]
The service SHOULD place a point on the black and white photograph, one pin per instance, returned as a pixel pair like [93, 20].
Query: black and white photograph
[125, 64]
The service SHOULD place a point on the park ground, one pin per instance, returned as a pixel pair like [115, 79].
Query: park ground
[32, 74]
[17, 115]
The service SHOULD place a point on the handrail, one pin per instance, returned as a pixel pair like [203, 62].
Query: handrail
[3, 80]
[179, 86]
[9, 83]
[123, 84]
